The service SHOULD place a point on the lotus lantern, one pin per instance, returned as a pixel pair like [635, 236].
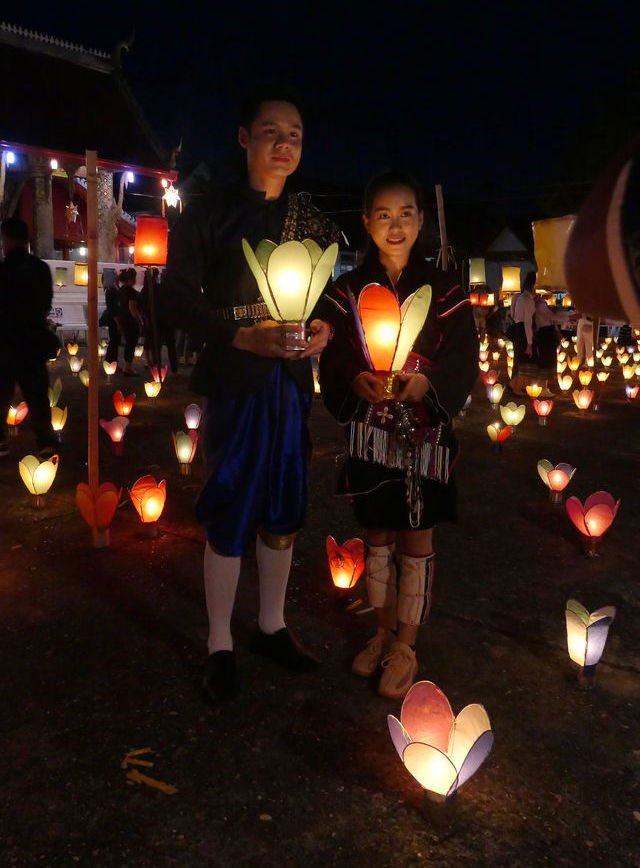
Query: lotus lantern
[15, 417]
[543, 408]
[123, 406]
[587, 634]
[54, 392]
[192, 416]
[565, 382]
[152, 389]
[583, 399]
[440, 751]
[148, 497]
[534, 390]
[594, 518]
[555, 478]
[109, 368]
[75, 363]
[185, 447]
[346, 562]
[512, 414]
[116, 429]
[98, 507]
[38, 475]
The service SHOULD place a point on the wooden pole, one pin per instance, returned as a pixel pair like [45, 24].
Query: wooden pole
[444, 247]
[92, 319]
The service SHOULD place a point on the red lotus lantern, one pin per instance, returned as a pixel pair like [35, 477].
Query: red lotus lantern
[542, 408]
[15, 417]
[346, 562]
[123, 406]
[98, 506]
[148, 497]
[152, 234]
[489, 378]
[594, 518]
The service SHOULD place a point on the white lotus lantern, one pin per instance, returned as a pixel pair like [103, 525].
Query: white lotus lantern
[587, 636]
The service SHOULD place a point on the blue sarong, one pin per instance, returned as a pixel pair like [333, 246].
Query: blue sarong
[257, 448]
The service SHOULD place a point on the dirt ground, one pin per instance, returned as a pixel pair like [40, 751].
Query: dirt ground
[102, 650]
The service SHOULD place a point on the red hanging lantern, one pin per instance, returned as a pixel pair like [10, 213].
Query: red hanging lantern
[152, 234]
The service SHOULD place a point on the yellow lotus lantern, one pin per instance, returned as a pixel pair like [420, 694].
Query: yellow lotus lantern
[192, 416]
[15, 417]
[564, 343]
[533, 390]
[628, 371]
[152, 389]
[38, 475]
[55, 392]
[72, 349]
[484, 344]
[185, 446]
[574, 363]
[109, 368]
[587, 634]
[440, 751]
[583, 399]
[512, 414]
[484, 366]
[83, 376]
[602, 376]
[623, 358]
[58, 418]
[116, 429]
[606, 361]
[585, 377]
[98, 508]
[561, 356]
[555, 478]
[565, 382]
[561, 367]
[290, 276]
[148, 497]
[75, 364]
[138, 350]
[495, 356]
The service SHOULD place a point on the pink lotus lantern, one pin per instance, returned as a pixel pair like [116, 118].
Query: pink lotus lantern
[116, 429]
[593, 519]
[489, 378]
[542, 408]
[346, 562]
[555, 478]
[158, 374]
[123, 406]
[109, 368]
[583, 399]
[440, 751]
[15, 417]
[98, 508]
[192, 415]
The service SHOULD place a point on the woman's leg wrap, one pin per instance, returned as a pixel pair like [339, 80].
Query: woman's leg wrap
[380, 570]
[415, 586]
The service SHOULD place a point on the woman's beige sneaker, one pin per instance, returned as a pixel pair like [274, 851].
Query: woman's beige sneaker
[367, 661]
[400, 668]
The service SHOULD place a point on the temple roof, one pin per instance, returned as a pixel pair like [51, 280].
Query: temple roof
[59, 96]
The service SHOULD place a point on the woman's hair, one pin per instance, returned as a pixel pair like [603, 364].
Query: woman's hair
[127, 274]
[391, 181]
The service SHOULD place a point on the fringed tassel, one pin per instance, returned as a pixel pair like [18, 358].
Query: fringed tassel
[381, 447]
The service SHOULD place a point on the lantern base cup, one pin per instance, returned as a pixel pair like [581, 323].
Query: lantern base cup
[12, 430]
[496, 448]
[295, 331]
[151, 530]
[542, 420]
[39, 501]
[100, 538]
[586, 677]
[117, 447]
[555, 497]
[185, 470]
[591, 546]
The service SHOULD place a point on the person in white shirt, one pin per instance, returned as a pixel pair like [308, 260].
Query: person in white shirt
[584, 339]
[522, 313]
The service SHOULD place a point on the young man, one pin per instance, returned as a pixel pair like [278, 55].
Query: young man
[26, 292]
[258, 394]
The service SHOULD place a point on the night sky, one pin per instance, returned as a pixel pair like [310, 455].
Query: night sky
[472, 96]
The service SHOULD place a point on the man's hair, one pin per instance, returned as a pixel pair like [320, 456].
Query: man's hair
[15, 229]
[271, 92]
[391, 181]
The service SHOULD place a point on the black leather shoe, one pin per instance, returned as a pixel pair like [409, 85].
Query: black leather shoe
[284, 649]
[219, 680]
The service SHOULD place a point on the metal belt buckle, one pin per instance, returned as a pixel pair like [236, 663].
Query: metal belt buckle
[240, 312]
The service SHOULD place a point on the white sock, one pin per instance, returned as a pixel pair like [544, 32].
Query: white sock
[220, 583]
[273, 573]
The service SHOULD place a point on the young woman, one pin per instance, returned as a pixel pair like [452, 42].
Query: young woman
[401, 452]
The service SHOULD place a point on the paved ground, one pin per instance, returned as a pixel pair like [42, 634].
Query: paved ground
[101, 654]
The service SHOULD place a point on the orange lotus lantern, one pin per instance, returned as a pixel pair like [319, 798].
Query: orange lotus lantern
[346, 562]
[542, 408]
[585, 376]
[583, 399]
[534, 390]
[185, 446]
[109, 368]
[152, 234]
[72, 349]
[574, 363]
[116, 430]
[15, 417]
[152, 389]
[594, 518]
[123, 406]
[148, 497]
[555, 478]
[387, 331]
[98, 507]
[489, 378]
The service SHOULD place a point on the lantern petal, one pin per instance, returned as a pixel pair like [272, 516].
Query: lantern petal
[54, 392]
[431, 767]
[86, 503]
[261, 280]
[358, 324]
[576, 514]
[289, 272]
[331, 545]
[468, 726]
[476, 755]
[355, 547]
[579, 610]
[322, 269]
[315, 251]
[426, 715]
[604, 612]
[263, 251]
[598, 519]
[576, 636]
[600, 498]
[399, 735]
[566, 468]
[106, 504]
[596, 640]
[414, 313]
[27, 468]
[544, 466]
[380, 315]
